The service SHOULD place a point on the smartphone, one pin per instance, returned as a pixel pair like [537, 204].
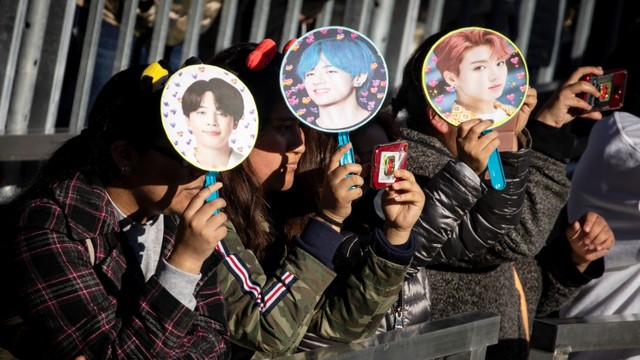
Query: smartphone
[611, 85]
[385, 160]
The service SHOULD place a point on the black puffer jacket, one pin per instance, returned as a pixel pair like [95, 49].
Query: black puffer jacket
[464, 277]
[462, 217]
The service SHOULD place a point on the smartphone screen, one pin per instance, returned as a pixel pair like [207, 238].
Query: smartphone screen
[611, 86]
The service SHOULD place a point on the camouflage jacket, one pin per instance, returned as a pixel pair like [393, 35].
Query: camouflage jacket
[270, 313]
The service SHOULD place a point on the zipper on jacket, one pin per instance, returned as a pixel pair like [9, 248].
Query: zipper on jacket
[399, 312]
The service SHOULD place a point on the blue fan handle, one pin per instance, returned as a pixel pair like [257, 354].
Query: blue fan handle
[210, 179]
[496, 173]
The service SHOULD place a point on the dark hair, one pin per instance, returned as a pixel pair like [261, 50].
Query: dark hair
[385, 120]
[228, 98]
[264, 84]
[247, 206]
[125, 109]
[410, 96]
[309, 178]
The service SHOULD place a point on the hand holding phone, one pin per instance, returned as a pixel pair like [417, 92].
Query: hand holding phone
[386, 159]
[611, 86]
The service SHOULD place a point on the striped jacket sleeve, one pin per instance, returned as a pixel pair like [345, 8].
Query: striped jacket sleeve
[267, 312]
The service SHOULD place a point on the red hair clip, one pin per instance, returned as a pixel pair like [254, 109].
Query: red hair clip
[288, 45]
[262, 55]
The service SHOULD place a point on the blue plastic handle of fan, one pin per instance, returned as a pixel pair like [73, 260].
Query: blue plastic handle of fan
[210, 179]
[349, 157]
[496, 173]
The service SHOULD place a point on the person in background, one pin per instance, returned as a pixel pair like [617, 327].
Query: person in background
[145, 22]
[176, 32]
[606, 180]
[110, 247]
[269, 310]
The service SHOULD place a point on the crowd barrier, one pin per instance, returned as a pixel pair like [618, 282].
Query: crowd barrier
[555, 339]
[35, 37]
[459, 337]
[466, 336]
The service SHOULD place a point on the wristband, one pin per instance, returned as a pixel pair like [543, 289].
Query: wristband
[328, 219]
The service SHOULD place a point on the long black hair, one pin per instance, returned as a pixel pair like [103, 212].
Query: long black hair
[125, 109]
[247, 207]
[410, 96]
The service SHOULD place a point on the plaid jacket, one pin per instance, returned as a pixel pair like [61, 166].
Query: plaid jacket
[105, 310]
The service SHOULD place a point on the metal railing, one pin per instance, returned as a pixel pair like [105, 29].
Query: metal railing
[463, 336]
[35, 38]
[467, 336]
[555, 339]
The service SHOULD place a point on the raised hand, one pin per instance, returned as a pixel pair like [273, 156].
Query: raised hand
[590, 238]
[472, 147]
[199, 231]
[402, 204]
[341, 186]
[563, 106]
[522, 117]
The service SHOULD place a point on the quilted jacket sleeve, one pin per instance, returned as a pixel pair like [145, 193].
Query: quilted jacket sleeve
[462, 218]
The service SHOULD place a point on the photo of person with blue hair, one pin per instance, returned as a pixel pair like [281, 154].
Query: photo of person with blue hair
[343, 76]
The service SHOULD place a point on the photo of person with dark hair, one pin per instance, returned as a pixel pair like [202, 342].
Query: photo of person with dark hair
[210, 117]
[212, 110]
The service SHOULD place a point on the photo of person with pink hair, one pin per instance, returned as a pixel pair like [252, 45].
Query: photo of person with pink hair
[480, 75]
